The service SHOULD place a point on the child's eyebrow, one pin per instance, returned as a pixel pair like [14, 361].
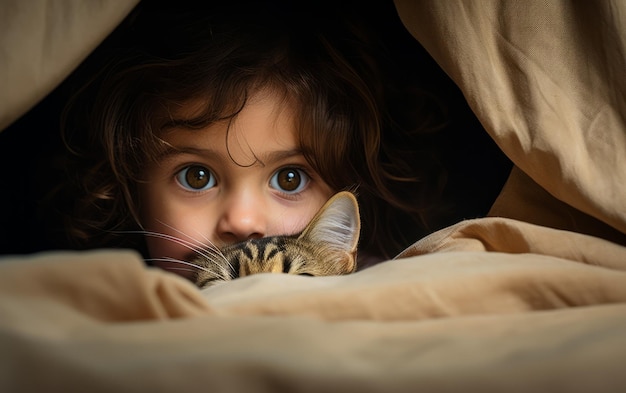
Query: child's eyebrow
[171, 151]
[269, 157]
[280, 155]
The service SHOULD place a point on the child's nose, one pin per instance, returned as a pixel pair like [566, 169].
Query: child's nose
[242, 218]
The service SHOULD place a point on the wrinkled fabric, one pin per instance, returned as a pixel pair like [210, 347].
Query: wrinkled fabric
[42, 41]
[545, 80]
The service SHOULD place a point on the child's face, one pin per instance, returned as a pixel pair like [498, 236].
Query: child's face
[214, 190]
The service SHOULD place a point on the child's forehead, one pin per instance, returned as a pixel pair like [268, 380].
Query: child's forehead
[259, 134]
[265, 115]
[276, 104]
[188, 109]
[254, 92]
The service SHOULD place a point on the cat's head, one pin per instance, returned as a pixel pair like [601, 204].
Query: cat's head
[327, 246]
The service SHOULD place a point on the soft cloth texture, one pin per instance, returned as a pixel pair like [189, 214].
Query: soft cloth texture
[42, 41]
[532, 300]
[548, 313]
[545, 79]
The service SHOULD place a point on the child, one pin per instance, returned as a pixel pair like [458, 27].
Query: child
[222, 125]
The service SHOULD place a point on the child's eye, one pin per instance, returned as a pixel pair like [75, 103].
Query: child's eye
[289, 180]
[196, 178]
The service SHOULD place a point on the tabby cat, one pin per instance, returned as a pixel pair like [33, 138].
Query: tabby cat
[327, 246]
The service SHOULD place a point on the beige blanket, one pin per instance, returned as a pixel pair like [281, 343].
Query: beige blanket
[532, 298]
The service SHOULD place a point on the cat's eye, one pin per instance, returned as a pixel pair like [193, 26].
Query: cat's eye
[289, 180]
[196, 178]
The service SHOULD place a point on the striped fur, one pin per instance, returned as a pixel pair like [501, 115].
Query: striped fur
[327, 246]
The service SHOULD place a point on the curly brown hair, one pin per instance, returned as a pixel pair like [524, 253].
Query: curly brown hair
[335, 73]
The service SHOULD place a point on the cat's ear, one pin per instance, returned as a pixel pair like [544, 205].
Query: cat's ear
[337, 224]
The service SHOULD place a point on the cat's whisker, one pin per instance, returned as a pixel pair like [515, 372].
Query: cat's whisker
[191, 246]
[207, 254]
[180, 269]
[208, 246]
[185, 234]
[217, 249]
[195, 266]
[174, 260]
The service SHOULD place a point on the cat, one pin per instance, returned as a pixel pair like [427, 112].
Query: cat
[326, 246]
